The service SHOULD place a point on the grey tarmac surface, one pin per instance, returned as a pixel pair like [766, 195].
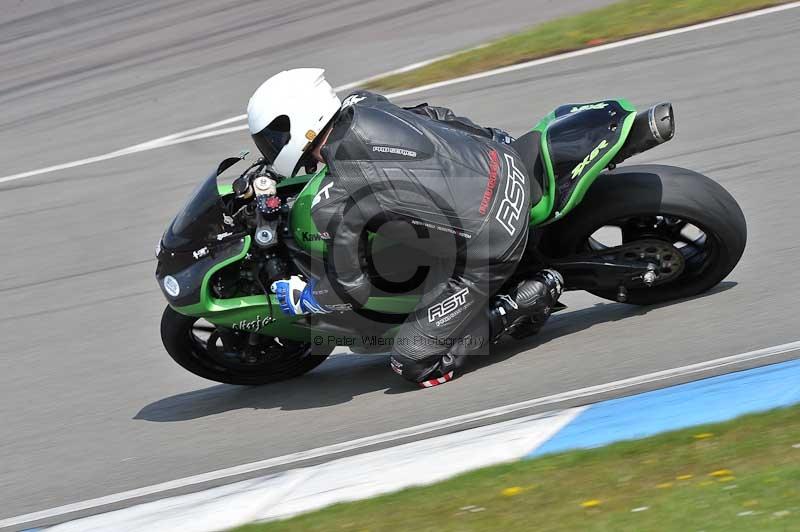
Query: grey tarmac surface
[84, 77]
[92, 405]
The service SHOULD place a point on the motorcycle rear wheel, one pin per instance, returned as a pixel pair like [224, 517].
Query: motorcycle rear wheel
[207, 352]
[659, 202]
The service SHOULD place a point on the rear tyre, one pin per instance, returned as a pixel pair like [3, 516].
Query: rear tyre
[217, 353]
[659, 202]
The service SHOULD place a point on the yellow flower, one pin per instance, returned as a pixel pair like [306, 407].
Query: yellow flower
[664, 485]
[703, 436]
[726, 479]
[683, 477]
[721, 473]
[705, 483]
[591, 503]
[512, 491]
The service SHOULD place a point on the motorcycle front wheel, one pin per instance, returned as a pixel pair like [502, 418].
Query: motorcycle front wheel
[228, 356]
[690, 212]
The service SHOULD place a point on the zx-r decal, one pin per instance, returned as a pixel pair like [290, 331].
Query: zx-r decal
[578, 170]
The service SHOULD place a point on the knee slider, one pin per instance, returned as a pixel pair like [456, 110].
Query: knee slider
[412, 369]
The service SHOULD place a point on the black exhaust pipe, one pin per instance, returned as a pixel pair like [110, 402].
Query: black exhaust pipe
[651, 127]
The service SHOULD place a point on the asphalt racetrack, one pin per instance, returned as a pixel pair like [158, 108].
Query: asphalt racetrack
[92, 405]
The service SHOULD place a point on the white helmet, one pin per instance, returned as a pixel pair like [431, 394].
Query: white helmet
[287, 112]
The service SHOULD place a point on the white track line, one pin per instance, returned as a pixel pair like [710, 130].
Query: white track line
[396, 435]
[188, 135]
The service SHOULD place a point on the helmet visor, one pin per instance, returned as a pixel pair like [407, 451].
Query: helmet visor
[271, 140]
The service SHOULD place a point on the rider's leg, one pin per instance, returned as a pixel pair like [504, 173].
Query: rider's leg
[451, 322]
[430, 346]
[431, 352]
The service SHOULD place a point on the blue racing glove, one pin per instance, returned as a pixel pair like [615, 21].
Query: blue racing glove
[296, 297]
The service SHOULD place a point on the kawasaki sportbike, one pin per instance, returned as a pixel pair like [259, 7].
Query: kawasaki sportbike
[638, 234]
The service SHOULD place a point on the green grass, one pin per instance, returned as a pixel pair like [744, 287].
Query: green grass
[740, 475]
[617, 21]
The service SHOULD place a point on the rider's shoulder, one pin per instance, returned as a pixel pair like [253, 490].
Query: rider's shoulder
[363, 98]
[357, 103]
[371, 128]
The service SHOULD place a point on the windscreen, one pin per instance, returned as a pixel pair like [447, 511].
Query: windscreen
[200, 220]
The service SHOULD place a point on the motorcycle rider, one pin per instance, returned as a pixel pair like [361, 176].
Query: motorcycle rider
[462, 188]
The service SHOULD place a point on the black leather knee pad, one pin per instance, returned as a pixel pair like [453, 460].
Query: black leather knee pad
[418, 370]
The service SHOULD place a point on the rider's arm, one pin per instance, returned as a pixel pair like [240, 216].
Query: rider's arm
[345, 281]
[443, 114]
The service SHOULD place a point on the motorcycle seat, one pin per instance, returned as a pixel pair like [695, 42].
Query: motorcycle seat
[528, 148]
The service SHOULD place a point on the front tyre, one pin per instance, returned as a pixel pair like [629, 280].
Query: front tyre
[227, 356]
[686, 209]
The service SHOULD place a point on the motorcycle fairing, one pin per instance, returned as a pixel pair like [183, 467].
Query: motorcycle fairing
[301, 225]
[193, 272]
[197, 242]
[578, 141]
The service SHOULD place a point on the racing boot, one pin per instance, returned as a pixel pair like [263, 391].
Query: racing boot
[525, 309]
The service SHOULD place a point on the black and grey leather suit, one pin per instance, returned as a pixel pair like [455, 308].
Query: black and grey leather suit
[452, 189]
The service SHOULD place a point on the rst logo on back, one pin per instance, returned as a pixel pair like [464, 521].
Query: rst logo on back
[514, 200]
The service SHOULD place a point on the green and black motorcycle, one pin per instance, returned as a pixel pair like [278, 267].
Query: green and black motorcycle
[637, 234]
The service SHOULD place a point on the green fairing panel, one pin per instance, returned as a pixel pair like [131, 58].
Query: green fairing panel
[301, 224]
[541, 211]
[253, 313]
[300, 179]
[605, 133]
